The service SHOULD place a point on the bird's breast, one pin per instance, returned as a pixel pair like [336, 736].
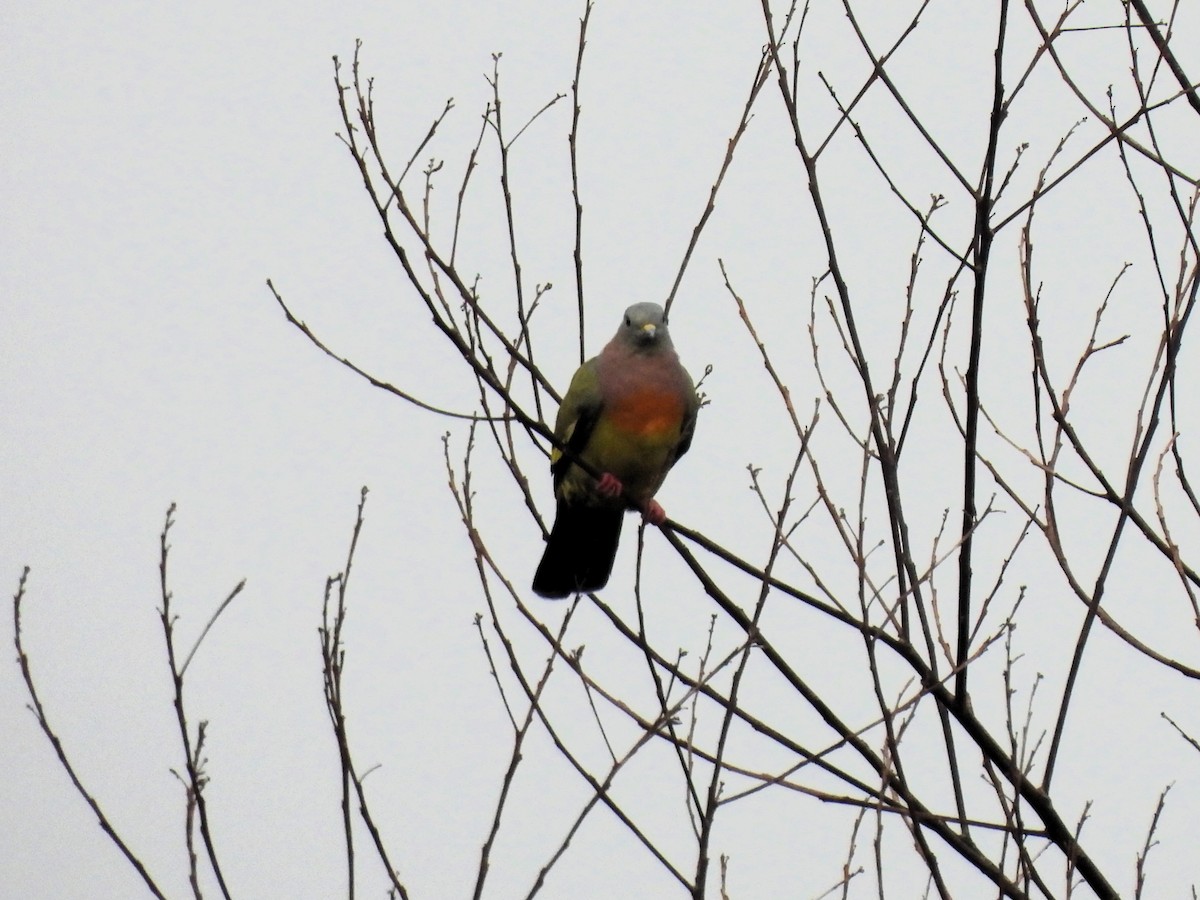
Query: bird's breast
[647, 412]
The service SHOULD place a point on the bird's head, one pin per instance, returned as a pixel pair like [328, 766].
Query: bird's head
[644, 326]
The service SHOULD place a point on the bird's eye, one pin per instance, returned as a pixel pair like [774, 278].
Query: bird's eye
[628, 321]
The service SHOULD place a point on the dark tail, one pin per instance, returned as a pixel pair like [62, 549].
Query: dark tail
[579, 552]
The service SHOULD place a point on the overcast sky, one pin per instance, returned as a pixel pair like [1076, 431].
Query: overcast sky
[160, 162]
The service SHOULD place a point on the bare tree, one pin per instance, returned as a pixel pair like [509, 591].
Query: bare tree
[985, 482]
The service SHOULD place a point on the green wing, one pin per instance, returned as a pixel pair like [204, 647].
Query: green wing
[577, 417]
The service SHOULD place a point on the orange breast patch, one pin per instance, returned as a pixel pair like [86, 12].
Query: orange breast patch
[648, 412]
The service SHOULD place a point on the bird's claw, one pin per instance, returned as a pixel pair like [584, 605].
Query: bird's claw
[654, 513]
[609, 485]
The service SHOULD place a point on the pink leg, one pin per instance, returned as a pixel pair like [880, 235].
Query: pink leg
[654, 513]
[609, 485]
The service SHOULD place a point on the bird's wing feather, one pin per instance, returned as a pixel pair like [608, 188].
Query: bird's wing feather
[577, 417]
[689, 421]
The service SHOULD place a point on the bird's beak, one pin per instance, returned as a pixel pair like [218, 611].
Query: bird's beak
[649, 330]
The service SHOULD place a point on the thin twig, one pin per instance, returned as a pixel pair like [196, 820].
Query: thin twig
[39, 713]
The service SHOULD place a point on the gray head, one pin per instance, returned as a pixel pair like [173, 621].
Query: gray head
[644, 326]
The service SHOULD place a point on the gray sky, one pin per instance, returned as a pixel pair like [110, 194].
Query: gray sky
[162, 161]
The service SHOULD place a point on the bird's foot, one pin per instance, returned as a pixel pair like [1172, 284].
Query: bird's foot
[609, 485]
[654, 513]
